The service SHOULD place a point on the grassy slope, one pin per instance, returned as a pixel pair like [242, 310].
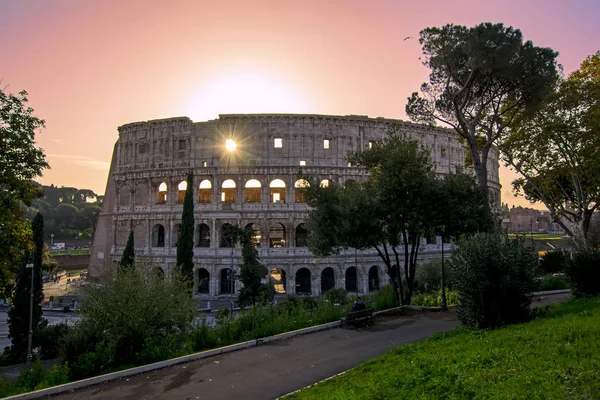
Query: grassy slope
[553, 357]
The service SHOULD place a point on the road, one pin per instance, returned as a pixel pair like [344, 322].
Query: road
[53, 317]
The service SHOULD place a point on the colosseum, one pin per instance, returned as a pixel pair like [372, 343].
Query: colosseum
[245, 169]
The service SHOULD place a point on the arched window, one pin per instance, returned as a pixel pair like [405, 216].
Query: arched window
[303, 281]
[158, 272]
[181, 189]
[301, 235]
[175, 234]
[252, 192]
[373, 279]
[158, 236]
[205, 194]
[349, 182]
[162, 194]
[228, 191]
[227, 281]
[351, 281]
[277, 191]
[325, 183]
[327, 279]
[277, 278]
[202, 236]
[203, 280]
[227, 238]
[277, 236]
[300, 190]
[256, 234]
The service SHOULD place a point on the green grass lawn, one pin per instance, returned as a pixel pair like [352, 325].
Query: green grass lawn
[554, 357]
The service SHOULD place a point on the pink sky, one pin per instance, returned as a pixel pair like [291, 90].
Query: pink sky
[90, 66]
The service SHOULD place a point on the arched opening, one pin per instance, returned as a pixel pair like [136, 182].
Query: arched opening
[277, 191]
[158, 272]
[301, 235]
[203, 280]
[351, 281]
[277, 236]
[327, 279]
[325, 183]
[227, 281]
[162, 194]
[256, 234]
[205, 193]
[277, 277]
[202, 236]
[181, 189]
[303, 281]
[175, 234]
[228, 191]
[252, 191]
[227, 238]
[373, 279]
[158, 236]
[349, 183]
[124, 196]
[300, 190]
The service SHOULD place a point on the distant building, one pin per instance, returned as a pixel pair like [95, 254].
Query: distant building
[529, 220]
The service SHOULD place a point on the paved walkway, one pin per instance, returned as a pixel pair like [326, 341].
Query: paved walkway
[275, 369]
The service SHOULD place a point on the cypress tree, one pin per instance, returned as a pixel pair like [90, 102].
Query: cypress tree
[128, 258]
[251, 273]
[18, 315]
[185, 243]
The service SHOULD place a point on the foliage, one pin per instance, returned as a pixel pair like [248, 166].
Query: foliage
[553, 282]
[583, 270]
[18, 315]
[554, 261]
[123, 314]
[50, 339]
[185, 243]
[435, 299]
[337, 296]
[20, 162]
[128, 257]
[494, 277]
[553, 357]
[35, 378]
[428, 277]
[481, 79]
[381, 299]
[557, 151]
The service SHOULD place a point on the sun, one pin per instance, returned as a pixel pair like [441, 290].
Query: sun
[230, 145]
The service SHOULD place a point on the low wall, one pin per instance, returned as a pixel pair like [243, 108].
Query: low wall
[74, 260]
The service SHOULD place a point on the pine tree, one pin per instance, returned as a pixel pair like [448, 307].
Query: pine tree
[185, 243]
[18, 315]
[128, 258]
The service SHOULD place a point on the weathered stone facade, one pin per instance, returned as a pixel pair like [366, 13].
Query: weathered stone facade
[254, 184]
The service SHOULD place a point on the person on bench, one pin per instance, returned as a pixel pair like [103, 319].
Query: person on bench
[358, 305]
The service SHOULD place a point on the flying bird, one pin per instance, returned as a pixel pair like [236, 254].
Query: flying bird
[408, 37]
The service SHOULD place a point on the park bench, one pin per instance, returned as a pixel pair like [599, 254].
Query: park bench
[361, 316]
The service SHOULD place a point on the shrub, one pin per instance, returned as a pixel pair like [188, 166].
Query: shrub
[50, 338]
[337, 296]
[553, 282]
[434, 299]
[381, 299]
[583, 270]
[429, 276]
[495, 278]
[554, 261]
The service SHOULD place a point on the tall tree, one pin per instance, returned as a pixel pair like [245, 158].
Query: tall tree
[481, 79]
[18, 315]
[128, 257]
[557, 151]
[185, 243]
[251, 273]
[20, 162]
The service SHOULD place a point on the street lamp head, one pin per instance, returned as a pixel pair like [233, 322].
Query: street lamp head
[230, 145]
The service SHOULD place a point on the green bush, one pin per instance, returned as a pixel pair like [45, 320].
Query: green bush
[495, 278]
[553, 282]
[554, 261]
[429, 276]
[434, 299]
[337, 296]
[50, 338]
[34, 378]
[583, 269]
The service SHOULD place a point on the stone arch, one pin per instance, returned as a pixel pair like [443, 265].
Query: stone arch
[349, 182]
[303, 281]
[227, 281]
[301, 235]
[326, 183]
[203, 279]
[124, 196]
[202, 236]
[373, 278]
[327, 279]
[162, 194]
[277, 191]
[228, 188]
[256, 233]
[225, 240]
[181, 189]
[351, 279]
[175, 234]
[277, 235]
[158, 272]
[277, 276]
[141, 194]
[158, 236]
[300, 190]
[205, 192]
[252, 191]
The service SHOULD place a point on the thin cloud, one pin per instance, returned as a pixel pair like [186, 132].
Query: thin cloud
[83, 161]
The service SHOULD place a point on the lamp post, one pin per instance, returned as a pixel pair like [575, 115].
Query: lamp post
[51, 239]
[444, 303]
[30, 265]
